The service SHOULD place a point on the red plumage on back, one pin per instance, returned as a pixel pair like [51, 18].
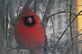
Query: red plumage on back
[29, 32]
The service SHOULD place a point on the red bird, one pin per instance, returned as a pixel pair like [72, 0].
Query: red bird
[29, 32]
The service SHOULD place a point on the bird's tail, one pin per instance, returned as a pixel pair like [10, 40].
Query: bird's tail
[35, 52]
[45, 50]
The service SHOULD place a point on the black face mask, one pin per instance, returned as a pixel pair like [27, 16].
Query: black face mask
[29, 21]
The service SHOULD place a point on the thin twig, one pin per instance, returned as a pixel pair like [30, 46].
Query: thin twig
[68, 27]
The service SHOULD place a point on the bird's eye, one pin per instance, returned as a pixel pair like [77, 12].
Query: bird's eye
[29, 21]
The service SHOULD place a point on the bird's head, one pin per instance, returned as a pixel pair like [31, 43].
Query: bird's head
[28, 17]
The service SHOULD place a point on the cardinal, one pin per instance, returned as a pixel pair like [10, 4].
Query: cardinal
[29, 32]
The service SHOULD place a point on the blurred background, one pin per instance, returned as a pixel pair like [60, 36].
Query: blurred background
[62, 20]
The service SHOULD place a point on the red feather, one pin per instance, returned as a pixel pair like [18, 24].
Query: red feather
[32, 37]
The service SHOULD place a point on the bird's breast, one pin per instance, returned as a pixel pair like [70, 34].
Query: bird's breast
[31, 37]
